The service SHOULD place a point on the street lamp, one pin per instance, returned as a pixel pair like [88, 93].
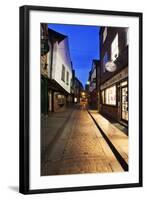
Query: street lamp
[83, 93]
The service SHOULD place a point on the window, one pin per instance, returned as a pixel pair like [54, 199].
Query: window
[94, 80]
[105, 59]
[75, 99]
[60, 99]
[63, 73]
[67, 78]
[123, 83]
[110, 95]
[71, 83]
[104, 34]
[124, 103]
[114, 48]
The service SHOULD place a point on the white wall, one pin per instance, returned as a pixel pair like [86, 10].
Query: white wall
[61, 57]
[9, 101]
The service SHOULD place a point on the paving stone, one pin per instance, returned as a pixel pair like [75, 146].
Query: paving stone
[81, 149]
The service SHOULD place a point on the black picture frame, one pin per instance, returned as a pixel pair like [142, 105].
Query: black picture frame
[25, 105]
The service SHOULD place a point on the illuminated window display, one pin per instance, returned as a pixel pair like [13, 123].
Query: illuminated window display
[124, 103]
[60, 99]
[110, 95]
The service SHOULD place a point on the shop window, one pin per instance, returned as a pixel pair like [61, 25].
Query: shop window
[124, 103]
[75, 99]
[60, 99]
[123, 83]
[114, 48]
[63, 73]
[104, 34]
[110, 96]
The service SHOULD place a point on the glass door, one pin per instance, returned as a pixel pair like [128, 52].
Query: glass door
[124, 103]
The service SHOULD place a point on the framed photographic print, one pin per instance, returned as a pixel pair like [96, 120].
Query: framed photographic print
[80, 99]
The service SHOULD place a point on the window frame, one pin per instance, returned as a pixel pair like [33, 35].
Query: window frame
[67, 77]
[63, 73]
[104, 90]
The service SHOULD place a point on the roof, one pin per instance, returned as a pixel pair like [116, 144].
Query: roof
[79, 82]
[56, 35]
[94, 64]
[95, 61]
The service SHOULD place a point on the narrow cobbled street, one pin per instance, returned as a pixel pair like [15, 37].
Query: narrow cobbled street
[79, 147]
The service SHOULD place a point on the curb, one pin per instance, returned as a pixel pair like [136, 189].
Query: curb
[118, 156]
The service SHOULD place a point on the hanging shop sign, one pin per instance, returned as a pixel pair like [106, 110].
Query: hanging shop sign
[110, 66]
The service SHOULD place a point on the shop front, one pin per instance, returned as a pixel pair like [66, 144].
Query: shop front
[114, 97]
[59, 101]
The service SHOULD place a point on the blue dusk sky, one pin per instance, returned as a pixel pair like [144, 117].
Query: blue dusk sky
[83, 45]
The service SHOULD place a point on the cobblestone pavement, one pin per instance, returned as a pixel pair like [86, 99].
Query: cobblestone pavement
[79, 149]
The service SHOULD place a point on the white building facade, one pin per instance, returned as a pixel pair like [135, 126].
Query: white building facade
[61, 66]
[56, 73]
